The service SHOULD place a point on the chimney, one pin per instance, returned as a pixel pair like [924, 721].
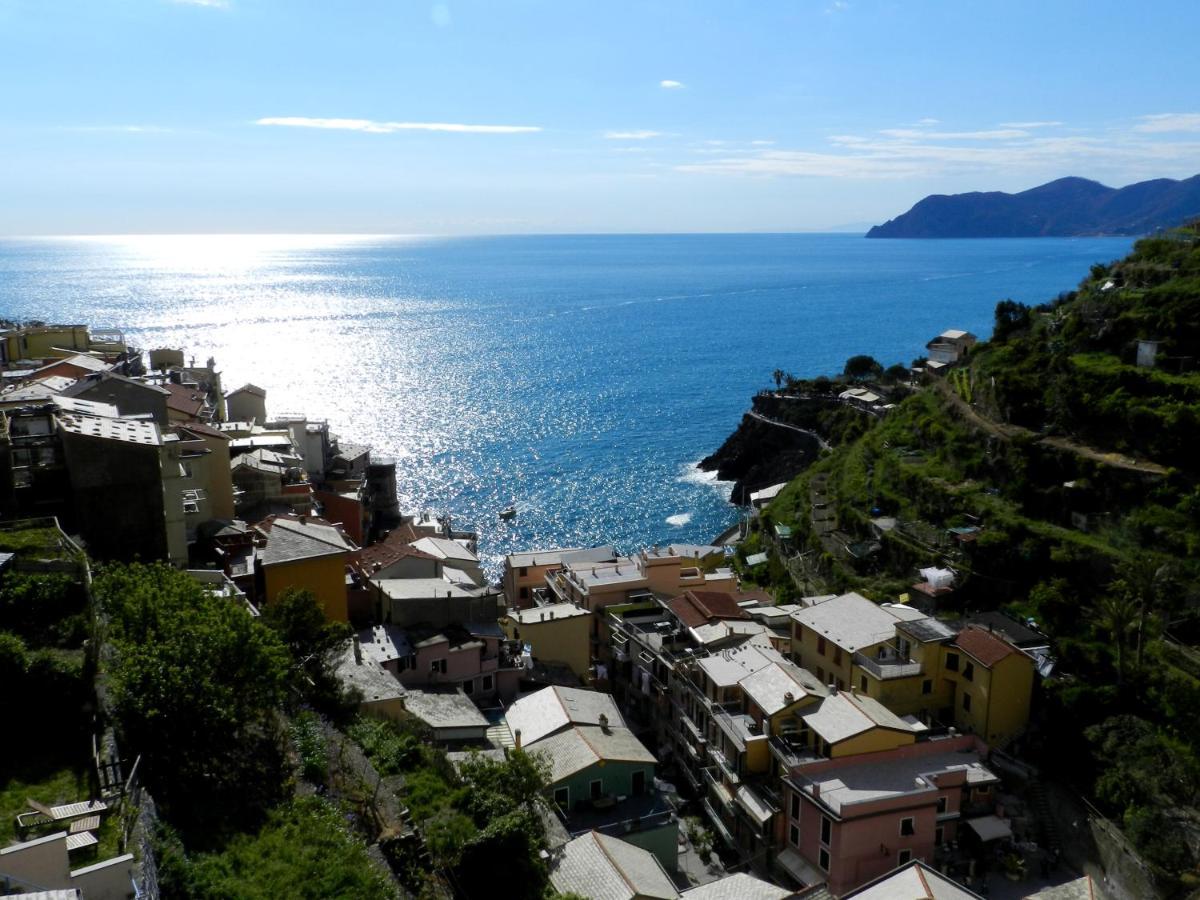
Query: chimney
[604, 722]
[833, 689]
[789, 698]
[816, 790]
[517, 739]
[357, 651]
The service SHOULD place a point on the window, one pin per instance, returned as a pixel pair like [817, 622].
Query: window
[969, 671]
[927, 686]
[941, 808]
[562, 797]
[823, 860]
[939, 836]
[841, 685]
[488, 682]
[837, 656]
[438, 665]
[523, 571]
[638, 783]
[597, 789]
[468, 686]
[524, 593]
[820, 675]
[826, 832]
[967, 702]
[862, 684]
[904, 857]
[794, 836]
[821, 645]
[907, 829]
[951, 662]
[795, 806]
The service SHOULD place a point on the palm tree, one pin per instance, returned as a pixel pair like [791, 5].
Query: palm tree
[1116, 612]
[778, 376]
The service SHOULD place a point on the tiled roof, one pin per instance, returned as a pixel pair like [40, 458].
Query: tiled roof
[852, 621]
[770, 686]
[290, 539]
[582, 746]
[253, 389]
[985, 646]
[187, 400]
[442, 548]
[553, 708]
[396, 546]
[695, 608]
[607, 868]
[915, 881]
[738, 886]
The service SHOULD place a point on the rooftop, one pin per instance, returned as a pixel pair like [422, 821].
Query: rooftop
[548, 613]
[289, 540]
[444, 708]
[987, 647]
[558, 557]
[852, 621]
[425, 588]
[442, 548]
[551, 709]
[607, 868]
[695, 608]
[778, 685]
[384, 643]
[131, 431]
[728, 667]
[915, 881]
[843, 715]
[371, 679]
[582, 746]
[738, 886]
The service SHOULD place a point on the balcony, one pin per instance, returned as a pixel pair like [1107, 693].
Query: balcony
[727, 766]
[717, 788]
[791, 752]
[889, 667]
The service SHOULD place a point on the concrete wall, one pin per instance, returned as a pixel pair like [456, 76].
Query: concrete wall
[38, 864]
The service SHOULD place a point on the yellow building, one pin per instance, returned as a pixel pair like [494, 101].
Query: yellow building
[310, 554]
[526, 572]
[556, 633]
[991, 683]
[44, 342]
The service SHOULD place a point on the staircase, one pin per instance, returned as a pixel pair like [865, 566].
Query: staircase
[1048, 838]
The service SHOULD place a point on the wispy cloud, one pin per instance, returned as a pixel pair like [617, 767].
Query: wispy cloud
[928, 121]
[211, 4]
[631, 135]
[911, 134]
[905, 153]
[837, 6]
[370, 126]
[1029, 124]
[670, 84]
[762, 143]
[120, 129]
[1169, 122]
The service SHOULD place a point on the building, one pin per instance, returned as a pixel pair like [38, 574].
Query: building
[473, 658]
[595, 585]
[42, 868]
[380, 694]
[990, 684]
[306, 553]
[950, 346]
[246, 404]
[556, 633]
[851, 820]
[597, 865]
[432, 601]
[132, 397]
[525, 573]
[450, 715]
[916, 881]
[454, 555]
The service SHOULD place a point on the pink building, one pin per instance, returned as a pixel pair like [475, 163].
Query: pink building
[853, 819]
[477, 657]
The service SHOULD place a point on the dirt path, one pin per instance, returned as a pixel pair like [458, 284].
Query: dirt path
[824, 445]
[1008, 432]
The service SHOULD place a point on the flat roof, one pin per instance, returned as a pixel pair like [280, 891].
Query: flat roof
[537, 614]
[444, 709]
[130, 431]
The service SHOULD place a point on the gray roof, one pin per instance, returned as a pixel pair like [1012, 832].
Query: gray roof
[425, 588]
[607, 868]
[927, 629]
[444, 709]
[852, 621]
[728, 667]
[445, 549]
[770, 686]
[583, 746]
[371, 679]
[915, 881]
[290, 540]
[738, 886]
[559, 557]
[535, 614]
[384, 643]
[552, 709]
[843, 715]
[130, 431]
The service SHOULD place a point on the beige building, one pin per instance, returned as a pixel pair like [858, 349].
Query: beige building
[557, 633]
[525, 573]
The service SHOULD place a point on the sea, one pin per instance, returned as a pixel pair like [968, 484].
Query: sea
[578, 378]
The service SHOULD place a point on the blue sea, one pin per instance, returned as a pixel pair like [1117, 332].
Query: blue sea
[579, 377]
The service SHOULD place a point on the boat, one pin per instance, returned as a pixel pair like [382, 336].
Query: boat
[509, 512]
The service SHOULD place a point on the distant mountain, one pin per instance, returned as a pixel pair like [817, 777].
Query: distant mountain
[1062, 208]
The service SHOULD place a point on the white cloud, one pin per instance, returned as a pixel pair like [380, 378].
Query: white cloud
[837, 6]
[120, 129]
[762, 143]
[371, 126]
[1029, 124]
[670, 84]
[211, 4]
[440, 15]
[1169, 122]
[915, 135]
[928, 121]
[631, 135]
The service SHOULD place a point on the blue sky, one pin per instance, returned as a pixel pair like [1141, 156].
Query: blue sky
[131, 116]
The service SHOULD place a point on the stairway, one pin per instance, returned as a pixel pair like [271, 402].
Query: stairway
[1048, 838]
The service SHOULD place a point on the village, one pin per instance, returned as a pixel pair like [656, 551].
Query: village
[703, 740]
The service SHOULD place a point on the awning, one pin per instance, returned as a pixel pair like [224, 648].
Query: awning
[990, 828]
[799, 868]
[754, 806]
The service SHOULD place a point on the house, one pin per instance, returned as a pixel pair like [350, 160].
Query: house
[453, 556]
[267, 481]
[379, 692]
[42, 341]
[473, 657]
[246, 404]
[450, 715]
[187, 403]
[74, 367]
[595, 585]
[598, 865]
[557, 632]
[991, 684]
[851, 820]
[526, 572]
[307, 553]
[130, 396]
[601, 775]
[914, 881]
[433, 601]
[950, 346]
[762, 497]
[396, 557]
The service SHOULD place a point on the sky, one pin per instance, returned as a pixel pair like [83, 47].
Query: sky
[540, 116]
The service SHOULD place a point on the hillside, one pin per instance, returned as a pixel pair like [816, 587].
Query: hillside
[1069, 475]
[1062, 208]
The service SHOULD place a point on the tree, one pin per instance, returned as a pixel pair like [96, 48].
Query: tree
[778, 376]
[195, 682]
[1010, 318]
[897, 373]
[1116, 612]
[862, 368]
[312, 641]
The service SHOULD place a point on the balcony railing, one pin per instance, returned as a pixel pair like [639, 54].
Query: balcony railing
[889, 667]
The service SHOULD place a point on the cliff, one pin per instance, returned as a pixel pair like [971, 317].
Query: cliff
[1062, 208]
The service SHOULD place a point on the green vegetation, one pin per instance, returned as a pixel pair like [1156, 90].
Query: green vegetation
[1031, 441]
[304, 849]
